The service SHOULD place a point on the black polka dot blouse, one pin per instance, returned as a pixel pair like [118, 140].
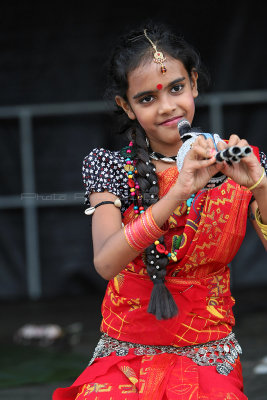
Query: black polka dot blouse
[104, 170]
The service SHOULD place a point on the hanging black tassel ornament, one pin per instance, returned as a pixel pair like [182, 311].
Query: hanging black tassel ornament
[162, 304]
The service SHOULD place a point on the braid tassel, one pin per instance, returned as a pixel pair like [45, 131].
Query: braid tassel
[162, 304]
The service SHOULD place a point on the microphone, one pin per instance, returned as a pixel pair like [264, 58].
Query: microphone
[183, 127]
[186, 133]
[231, 154]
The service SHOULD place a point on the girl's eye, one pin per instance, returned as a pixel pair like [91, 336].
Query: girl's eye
[146, 99]
[177, 88]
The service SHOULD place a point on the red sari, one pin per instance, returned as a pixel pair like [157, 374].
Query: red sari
[200, 284]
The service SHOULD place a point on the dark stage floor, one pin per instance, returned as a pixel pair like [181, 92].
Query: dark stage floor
[32, 371]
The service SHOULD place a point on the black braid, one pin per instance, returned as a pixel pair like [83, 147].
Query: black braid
[146, 171]
[162, 304]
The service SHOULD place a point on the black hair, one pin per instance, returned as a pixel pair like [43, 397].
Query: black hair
[132, 50]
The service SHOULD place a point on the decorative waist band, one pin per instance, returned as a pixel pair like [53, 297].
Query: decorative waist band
[220, 353]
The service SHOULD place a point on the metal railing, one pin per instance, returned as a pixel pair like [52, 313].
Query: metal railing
[29, 201]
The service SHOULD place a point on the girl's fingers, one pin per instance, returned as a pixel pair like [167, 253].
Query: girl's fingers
[202, 148]
[205, 163]
[198, 161]
[233, 140]
[243, 142]
[202, 141]
[200, 153]
[210, 143]
[221, 146]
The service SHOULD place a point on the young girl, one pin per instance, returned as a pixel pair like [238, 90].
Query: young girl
[163, 237]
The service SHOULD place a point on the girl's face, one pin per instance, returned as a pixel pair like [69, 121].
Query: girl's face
[160, 101]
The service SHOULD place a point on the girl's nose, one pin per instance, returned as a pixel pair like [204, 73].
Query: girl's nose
[167, 105]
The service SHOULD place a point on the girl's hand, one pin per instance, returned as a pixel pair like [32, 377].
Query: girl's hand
[248, 171]
[198, 167]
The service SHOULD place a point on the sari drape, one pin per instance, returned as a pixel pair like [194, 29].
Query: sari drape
[199, 281]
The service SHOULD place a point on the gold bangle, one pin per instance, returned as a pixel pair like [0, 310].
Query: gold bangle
[259, 181]
[262, 226]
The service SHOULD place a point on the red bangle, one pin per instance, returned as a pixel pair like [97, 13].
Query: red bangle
[142, 231]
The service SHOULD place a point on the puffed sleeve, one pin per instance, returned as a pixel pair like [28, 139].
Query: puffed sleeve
[263, 160]
[104, 170]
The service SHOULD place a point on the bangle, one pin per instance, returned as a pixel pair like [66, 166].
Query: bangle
[259, 181]
[262, 227]
[142, 231]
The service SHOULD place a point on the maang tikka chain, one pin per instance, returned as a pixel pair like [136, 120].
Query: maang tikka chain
[158, 55]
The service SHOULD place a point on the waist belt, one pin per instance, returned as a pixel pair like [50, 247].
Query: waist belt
[221, 353]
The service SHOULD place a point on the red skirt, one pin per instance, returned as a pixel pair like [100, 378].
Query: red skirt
[156, 377]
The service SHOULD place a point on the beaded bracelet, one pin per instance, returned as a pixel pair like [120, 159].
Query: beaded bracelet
[142, 231]
[262, 226]
[259, 181]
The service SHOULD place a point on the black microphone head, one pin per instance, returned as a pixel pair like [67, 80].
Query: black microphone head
[183, 126]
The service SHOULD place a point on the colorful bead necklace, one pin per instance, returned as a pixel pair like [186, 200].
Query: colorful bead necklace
[130, 167]
[129, 154]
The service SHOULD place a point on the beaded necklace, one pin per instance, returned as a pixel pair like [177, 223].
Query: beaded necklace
[129, 153]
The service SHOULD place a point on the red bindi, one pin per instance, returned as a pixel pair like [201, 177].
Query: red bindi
[159, 86]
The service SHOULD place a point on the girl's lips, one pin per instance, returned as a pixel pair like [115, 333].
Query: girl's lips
[171, 121]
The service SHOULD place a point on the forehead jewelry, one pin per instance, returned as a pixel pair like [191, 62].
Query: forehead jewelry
[158, 55]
